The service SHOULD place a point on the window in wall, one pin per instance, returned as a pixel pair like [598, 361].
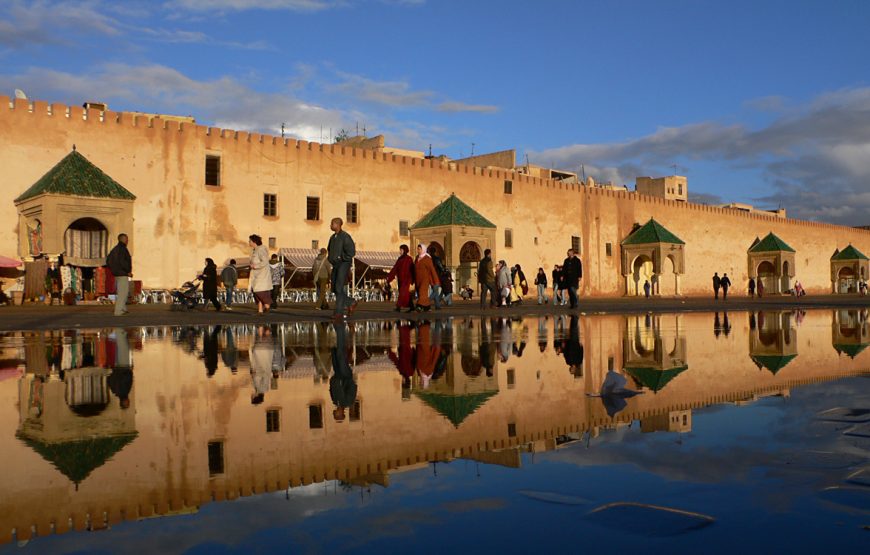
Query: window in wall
[355, 412]
[608, 248]
[404, 228]
[212, 170]
[536, 240]
[315, 416]
[352, 213]
[511, 378]
[512, 430]
[273, 242]
[270, 204]
[508, 238]
[315, 244]
[575, 244]
[273, 420]
[312, 208]
[508, 187]
[215, 457]
[680, 187]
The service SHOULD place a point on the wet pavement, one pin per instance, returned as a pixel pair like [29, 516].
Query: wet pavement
[738, 430]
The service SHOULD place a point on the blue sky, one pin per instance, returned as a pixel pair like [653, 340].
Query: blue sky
[760, 102]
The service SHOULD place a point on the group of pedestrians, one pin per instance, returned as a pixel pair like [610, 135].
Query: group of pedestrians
[507, 286]
[426, 273]
[722, 283]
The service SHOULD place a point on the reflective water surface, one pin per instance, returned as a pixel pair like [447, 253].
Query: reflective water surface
[736, 430]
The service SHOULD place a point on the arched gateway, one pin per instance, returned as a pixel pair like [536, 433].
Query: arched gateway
[654, 254]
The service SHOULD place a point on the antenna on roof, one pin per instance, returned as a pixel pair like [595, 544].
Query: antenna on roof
[430, 150]
[675, 168]
[19, 94]
[472, 149]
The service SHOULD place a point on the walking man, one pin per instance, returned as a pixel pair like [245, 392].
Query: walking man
[120, 263]
[717, 283]
[752, 287]
[321, 270]
[486, 279]
[230, 277]
[340, 254]
[572, 272]
[725, 283]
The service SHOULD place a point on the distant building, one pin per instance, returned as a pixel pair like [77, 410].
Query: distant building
[671, 187]
[779, 212]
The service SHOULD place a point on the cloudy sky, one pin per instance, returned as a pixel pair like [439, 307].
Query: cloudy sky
[760, 102]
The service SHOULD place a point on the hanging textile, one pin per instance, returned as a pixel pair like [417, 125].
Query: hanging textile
[65, 277]
[34, 278]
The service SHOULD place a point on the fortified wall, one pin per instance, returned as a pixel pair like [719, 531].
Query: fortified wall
[178, 220]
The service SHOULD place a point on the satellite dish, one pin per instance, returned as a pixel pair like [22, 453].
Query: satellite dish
[19, 94]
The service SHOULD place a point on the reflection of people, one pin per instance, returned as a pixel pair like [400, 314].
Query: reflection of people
[427, 353]
[404, 358]
[342, 387]
[210, 350]
[321, 355]
[726, 325]
[120, 381]
[487, 349]
[717, 325]
[573, 350]
[230, 354]
[261, 355]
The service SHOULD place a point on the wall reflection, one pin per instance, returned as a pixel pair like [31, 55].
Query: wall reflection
[215, 413]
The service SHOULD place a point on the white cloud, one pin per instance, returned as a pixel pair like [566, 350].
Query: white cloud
[452, 107]
[814, 159]
[389, 93]
[45, 22]
[244, 5]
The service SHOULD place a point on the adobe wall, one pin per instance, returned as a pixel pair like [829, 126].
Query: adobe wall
[179, 221]
[178, 411]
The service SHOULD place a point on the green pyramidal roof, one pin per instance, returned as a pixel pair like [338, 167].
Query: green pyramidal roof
[76, 175]
[455, 408]
[849, 253]
[771, 243]
[653, 378]
[453, 212]
[850, 350]
[652, 232]
[77, 459]
[774, 363]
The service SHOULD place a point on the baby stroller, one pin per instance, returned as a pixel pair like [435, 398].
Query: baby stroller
[186, 296]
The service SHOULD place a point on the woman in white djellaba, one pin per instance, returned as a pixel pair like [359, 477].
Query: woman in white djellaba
[261, 274]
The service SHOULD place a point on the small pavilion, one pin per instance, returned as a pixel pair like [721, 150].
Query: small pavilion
[651, 252]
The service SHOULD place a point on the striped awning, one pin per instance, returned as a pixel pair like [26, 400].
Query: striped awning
[299, 258]
[382, 260]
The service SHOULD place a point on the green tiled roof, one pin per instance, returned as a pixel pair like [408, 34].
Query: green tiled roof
[455, 408]
[771, 243]
[652, 232]
[850, 350]
[849, 253]
[77, 459]
[774, 363]
[653, 378]
[75, 175]
[453, 212]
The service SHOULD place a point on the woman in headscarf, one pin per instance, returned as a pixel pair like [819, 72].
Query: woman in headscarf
[503, 279]
[403, 271]
[209, 283]
[261, 274]
[425, 276]
[520, 285]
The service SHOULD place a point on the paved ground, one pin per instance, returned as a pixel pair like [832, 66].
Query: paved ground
[40, 317]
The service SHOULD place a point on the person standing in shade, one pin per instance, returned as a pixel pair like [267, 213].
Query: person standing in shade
[403, 272]
[261, 274]
[572, 272]
[717, 283]
[646, 288]
[341, 250]
[321, 269]
[541, 282]
[425, 276]
[725, 283]
[229, 277]
[209, 284]
[760, 288]
[486, 279]
[120, 263]
[557, 280]
[752, 287]
[276, 269]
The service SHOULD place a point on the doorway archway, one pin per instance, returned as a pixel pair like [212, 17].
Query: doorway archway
[767, 277]
[641, 271]
[469, 255]
[847, 280]
[86, 239]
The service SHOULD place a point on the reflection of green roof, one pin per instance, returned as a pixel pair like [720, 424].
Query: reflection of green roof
[849, 253]
[76, 175]
[653, 378]
[852, 350]
[771, 243]
[77, 459]
[774, 363]
[652, 232]
[455, 408]
[453, 212]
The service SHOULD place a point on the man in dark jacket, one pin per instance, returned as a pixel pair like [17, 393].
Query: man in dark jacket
[229, 277]
[120, 263]
[341, 251]
[486, 279]
[717, 282]
[572, 271]
[725, 283]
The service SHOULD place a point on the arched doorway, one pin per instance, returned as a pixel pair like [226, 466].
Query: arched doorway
[469, 255]
[847, 281]
[86, 240]
[786, 281]
[668, 278]
[767, 277]
[641, 271]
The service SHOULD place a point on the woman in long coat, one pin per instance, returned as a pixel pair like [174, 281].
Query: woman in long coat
[209, 283]
[425, 276]
[403, 270]
[261, 274]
